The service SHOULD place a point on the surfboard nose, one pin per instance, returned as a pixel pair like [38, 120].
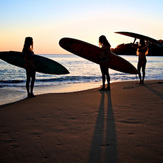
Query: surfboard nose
[66, 43]
[65, 71]
[62, 42]
[134, 70]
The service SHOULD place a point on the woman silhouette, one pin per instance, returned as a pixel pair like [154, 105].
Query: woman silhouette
[104, 56]
[142, 51]
[29, 65]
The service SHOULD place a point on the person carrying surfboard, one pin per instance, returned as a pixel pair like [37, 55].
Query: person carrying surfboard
[142, 51]
[104, 56]
[29, 65]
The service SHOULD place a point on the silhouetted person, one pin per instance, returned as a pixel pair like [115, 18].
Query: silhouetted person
[29, 65]
[142, 51]
[104, 57]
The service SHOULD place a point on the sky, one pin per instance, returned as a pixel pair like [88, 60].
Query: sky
[47, 21]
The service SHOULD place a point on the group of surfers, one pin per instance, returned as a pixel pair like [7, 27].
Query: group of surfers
[142, 51]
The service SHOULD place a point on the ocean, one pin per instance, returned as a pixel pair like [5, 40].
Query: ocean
[83, 74]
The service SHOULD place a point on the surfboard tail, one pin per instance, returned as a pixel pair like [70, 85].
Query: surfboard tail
[120, 64]
[9, 57]
[42, 64]
[4, 56]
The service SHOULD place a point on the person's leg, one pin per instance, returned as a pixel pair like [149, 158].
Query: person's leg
[103, 77]
[143, 70]
[139, 67]
[103, 81]
[27, 83]
[32, 83]
[108, 79]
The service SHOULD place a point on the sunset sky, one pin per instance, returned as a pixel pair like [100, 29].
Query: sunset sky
[47, 21]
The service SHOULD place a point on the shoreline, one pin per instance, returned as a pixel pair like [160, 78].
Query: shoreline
[123, 125]
[10, 94]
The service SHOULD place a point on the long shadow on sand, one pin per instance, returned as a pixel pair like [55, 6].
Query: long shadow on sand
[159, 94]
[104, 145]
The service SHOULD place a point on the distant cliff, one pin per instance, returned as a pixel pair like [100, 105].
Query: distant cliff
[127, 49]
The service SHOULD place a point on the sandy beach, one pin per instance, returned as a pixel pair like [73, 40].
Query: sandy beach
[124, 125]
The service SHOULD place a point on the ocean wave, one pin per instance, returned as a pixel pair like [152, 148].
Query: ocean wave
[11, 81]
[69, 78]
[45, 81]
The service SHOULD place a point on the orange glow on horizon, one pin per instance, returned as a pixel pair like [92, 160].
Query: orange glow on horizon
[50, 45]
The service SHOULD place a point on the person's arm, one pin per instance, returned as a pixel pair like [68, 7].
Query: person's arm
[26, 59]
[108, 51]
[135, 46]
[137, 51]
[147, 51]
[32, 60]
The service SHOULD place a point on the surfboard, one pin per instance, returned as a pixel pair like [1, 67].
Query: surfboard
[43, 64]
[92, 53]
[139, 36]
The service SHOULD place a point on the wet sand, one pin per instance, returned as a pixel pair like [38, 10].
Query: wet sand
[13, 94]
[124, 125]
